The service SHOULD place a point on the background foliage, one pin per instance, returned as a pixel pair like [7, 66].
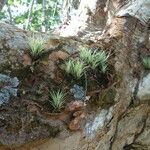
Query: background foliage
[34, 15]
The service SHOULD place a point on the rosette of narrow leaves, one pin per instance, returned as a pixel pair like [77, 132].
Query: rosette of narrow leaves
[57, 99]
[146, 62]
[78, 69]
[94, 58]
[75, 67]
[36, 46]
[68, 66]
[102, 59]
[86, 55]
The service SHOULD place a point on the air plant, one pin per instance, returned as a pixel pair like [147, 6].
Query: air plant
[74, 67]
[67, 66]
[36, 46]
[57, 99]
[78, 69]
[102, 58]
[146, 62]
[94, 58]
[86, 55]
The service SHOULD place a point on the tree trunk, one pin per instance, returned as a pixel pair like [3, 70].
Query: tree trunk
[121, 27]
[9, 12]
[43, 16]
[29, 14]
[2, 3]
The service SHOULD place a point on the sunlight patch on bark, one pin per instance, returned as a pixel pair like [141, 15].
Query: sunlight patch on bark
[137, 8]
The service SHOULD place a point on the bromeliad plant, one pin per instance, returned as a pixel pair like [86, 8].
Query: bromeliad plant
[86, 55]
[88, 58]
[36, 46]
[78, 69]
[68, 66]
[75, 67]
[102, 59]
[94, 59]
[146, 62]
[58, 99]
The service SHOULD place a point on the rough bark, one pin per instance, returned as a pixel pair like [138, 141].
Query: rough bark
[130, 114]
[126, 29]
[126, 123]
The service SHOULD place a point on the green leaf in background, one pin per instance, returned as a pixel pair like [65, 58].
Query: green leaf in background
[42, 16]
